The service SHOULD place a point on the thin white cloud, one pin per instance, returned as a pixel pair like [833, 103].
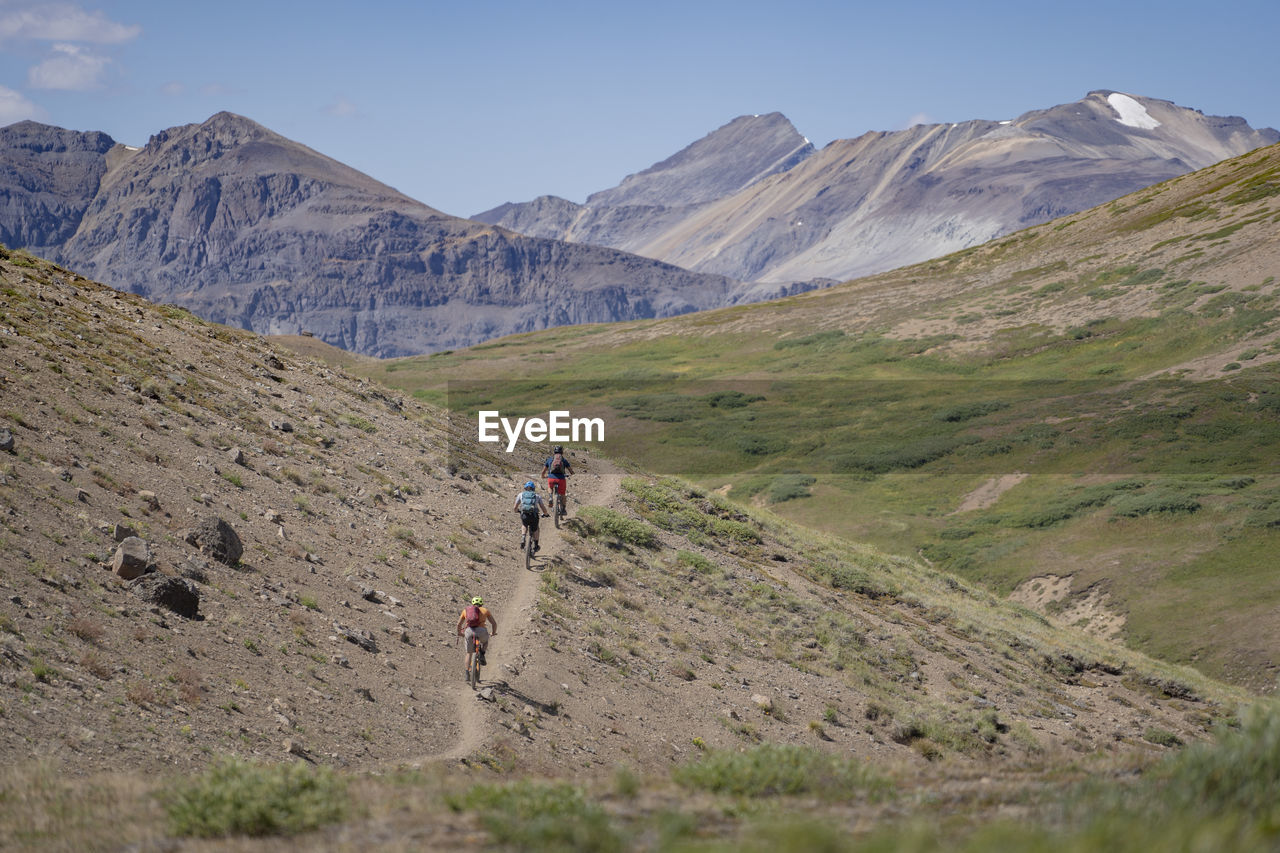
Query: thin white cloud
[173, 89]
[918, 118]
[71, 68]
[15, 107]
[217, 90]
[62, 22]
[342, 108]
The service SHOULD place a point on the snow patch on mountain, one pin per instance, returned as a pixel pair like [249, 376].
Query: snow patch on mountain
[1132, 113]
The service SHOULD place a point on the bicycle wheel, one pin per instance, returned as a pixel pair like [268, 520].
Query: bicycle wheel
[559, 509]
[474, 671]
[528, 549]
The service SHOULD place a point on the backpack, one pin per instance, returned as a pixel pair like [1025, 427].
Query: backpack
[556, 465]
[474, 618]
[528, 501]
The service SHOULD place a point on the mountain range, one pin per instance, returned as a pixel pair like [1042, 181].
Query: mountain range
[782, 211]
[246, 227]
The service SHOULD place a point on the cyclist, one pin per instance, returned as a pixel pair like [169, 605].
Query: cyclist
[474, 618]
[529, 503]
[557, 470]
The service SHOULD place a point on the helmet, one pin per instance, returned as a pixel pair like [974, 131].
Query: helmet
[477, 601]
[557, 449]
[530, 485]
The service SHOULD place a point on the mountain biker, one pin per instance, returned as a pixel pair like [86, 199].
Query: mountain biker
[557, 470]
[528, 504]
[474, 618]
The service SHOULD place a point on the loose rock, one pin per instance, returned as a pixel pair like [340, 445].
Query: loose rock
[174, 594]
[217, 539]
[131, 558]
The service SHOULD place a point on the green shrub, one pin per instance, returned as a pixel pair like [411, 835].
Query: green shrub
[362, 424]
[673, 507]
[235, 797]
[529, 815]
[1159, 500]
[1163, 737]
[695, 561]
[1072, 504]
[907, 454]
[853, 578]
[601, 521]
[773, 769]
[788, 487]
[1238, 772]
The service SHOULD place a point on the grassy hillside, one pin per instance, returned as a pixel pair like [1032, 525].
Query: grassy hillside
[676, 671]
[1094, 398]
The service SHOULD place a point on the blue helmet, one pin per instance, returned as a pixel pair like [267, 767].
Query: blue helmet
[530, 485]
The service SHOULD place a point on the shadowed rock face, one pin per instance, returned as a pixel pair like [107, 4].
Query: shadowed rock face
[883, 200]
[48, 176]
[246, 227]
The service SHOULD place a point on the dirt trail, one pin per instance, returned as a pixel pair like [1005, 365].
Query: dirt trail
[985, 496]
[598, 487]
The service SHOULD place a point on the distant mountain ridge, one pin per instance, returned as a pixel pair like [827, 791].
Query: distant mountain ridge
[246, 227]
[886, 199]
[249, 228]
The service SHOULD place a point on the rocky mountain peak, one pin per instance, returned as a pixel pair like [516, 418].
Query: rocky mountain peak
[210, 139]
[723, 162]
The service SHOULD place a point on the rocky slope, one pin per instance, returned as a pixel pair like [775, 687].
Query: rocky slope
[246, 227]
[305, 540]
[882, 200]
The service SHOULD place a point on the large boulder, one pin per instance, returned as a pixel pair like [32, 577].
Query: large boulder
[175, 594]
[131, 558]
[214, 537]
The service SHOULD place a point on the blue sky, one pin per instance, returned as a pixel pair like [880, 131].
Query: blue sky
[466, 104]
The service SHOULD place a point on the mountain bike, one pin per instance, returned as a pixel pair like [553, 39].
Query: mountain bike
[528, 548]
[557, 506]
[473, 671]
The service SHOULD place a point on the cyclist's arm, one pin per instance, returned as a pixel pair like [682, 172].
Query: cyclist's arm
[462, 618]
[494, 623]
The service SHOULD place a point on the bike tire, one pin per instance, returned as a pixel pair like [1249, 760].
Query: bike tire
[528, 550]
[559, 509]
[474, 672]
